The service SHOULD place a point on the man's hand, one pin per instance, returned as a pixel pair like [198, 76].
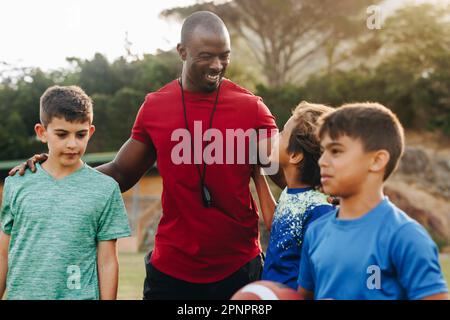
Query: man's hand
[29, 164]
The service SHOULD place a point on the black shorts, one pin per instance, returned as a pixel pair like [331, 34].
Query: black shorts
[160, 286]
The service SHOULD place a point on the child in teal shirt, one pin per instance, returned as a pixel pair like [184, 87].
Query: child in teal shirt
[59, 226]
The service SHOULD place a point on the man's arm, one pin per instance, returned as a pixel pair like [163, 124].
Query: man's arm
[266, 200]
[4, 247]
[132, 161]
[264, 149]
[130, 164]
[108, 269]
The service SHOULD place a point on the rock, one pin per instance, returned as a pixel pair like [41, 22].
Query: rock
[414, 161]
[416, 203]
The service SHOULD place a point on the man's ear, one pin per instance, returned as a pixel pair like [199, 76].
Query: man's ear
[295, 157]
[181, 51]
[380, 160]
[91, 130]
[41, 132]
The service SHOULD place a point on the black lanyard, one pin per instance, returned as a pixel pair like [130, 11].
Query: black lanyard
[206, 195]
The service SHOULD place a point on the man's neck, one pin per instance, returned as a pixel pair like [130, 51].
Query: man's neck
[57, 171]
[357, 205]
[292, 177]
[186, 83]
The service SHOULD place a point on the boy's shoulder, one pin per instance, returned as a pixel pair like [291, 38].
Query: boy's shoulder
[390, 220]
[400, 225]
[91, 178]
[96, 178]
[318, 224]
[393, 218]
[16, 181]
[304, 201]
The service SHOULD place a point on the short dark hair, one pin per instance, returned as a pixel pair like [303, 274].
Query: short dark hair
[206, 19]
[69, 102]
[304, 139]
[376, 126]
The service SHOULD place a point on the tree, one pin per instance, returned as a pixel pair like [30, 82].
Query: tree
[288, 35]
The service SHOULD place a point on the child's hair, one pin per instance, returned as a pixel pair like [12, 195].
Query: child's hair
[70, 103]
[376, 126]
[304, 139]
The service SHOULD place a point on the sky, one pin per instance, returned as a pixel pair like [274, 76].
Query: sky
[42, 33]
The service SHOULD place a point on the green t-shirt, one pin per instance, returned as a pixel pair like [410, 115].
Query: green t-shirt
[55, 226]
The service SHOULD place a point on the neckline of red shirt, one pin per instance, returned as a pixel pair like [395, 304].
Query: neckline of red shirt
[199, 93]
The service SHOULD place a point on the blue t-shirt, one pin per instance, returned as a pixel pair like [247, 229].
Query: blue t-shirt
[296, 209]
[382, 255]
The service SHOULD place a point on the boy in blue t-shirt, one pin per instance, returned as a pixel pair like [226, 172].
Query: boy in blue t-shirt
[367, 248]
[296, 150]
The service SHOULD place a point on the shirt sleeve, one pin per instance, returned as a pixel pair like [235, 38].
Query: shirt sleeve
[415, 257]
[138, 131]
[265, 120]
[6, 214]
[317, 212]
[305, 277]
[113, 222]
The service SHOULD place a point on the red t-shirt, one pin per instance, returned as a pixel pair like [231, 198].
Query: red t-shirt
[194, 243]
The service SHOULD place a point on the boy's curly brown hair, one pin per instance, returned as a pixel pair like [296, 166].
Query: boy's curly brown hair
[304, 139]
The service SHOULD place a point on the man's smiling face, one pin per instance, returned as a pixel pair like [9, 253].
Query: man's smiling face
[206, 55]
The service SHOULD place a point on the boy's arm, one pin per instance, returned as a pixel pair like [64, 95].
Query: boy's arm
[108, 269]
[265, 196]
[4, 246]
[416, 260]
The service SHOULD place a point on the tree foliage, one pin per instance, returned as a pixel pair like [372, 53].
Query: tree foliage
[405, 65]
[286, 36]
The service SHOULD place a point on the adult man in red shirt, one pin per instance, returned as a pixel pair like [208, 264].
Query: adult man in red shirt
[203, 249]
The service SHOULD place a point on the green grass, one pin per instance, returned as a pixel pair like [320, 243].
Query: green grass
[131, 276]
[445, 264]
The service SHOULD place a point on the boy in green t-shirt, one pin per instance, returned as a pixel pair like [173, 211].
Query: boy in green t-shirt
[59, 226]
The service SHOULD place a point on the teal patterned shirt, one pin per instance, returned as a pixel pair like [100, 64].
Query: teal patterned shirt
[55, 226]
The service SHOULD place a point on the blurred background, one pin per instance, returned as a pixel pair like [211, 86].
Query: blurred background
[396, 52]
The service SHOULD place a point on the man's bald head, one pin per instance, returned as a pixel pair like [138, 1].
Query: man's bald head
[205, 21]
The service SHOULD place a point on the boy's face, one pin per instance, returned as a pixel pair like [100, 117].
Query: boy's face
[279, 153]
[66, 141]
[344, 165]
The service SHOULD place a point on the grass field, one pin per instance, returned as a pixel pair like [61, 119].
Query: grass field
[132, 274]
[445, 263]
